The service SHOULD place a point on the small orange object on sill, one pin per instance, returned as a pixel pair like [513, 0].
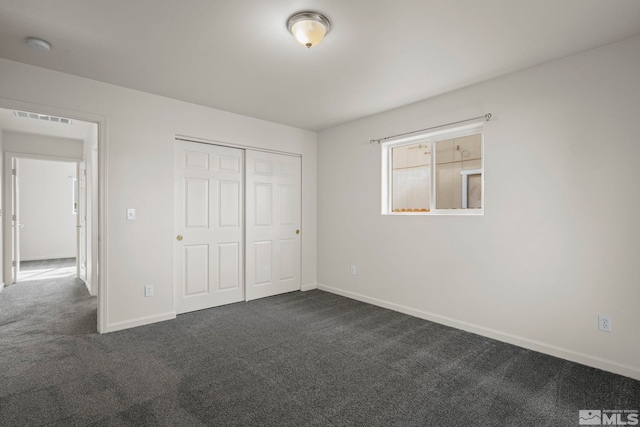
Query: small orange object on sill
[412, 210]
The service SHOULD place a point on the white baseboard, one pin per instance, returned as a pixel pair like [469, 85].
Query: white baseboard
[141, 321]
[1, 286]
[563, 353]
[90, 288]
[308, 287]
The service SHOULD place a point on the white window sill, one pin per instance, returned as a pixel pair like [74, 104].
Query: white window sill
[442, 212]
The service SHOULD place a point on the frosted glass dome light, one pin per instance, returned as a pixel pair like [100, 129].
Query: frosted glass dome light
[308, 28]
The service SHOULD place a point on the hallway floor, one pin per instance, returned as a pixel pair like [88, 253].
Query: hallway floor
[47, 269]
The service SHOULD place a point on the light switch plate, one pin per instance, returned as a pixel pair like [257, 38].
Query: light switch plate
[131, 214]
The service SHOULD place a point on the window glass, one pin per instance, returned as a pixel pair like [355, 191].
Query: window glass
[459, 160]
[411, 180]
[438, 173]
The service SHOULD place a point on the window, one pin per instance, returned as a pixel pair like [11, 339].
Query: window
[435, 173]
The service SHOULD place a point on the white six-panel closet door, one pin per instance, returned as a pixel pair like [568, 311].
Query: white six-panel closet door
[209, 206]
[273, 226]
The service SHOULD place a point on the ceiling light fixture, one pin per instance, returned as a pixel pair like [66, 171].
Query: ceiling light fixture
[37, 43]
[308, 28]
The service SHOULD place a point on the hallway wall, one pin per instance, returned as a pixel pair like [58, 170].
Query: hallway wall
[46, 209]
[42, 145]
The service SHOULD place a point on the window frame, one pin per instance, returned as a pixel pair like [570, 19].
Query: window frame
[430, 138]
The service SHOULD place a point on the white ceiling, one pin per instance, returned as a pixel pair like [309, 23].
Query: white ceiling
[236, 55]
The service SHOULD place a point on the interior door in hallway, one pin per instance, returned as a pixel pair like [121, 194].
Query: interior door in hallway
[272, 224]
[81, 218]
[15, 216]
[208, 226]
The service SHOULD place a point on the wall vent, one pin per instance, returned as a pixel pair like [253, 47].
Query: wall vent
[44, 117]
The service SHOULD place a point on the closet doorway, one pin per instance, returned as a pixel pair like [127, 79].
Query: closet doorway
[237, 225]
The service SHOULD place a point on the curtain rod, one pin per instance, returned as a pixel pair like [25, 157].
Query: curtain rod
[486, 117]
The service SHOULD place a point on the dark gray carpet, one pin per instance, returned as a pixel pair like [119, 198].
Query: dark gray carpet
[300, 359]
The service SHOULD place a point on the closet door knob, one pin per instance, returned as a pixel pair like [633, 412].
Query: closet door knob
[179, 237]
[297, 231]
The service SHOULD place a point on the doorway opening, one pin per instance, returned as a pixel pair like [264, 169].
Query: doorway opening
[50, 198]
[48, 220]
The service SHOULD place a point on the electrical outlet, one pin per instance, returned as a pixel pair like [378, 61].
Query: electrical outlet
[148, 291]
[604, 323]
[354, 270]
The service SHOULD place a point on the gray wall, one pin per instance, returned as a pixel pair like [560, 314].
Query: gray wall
[558, 243]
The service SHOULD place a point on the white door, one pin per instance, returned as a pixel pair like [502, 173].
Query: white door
[208, 226]
[81, 219]
[15, 222]
[272, 224]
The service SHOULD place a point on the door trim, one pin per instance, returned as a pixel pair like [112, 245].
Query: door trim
[231, 145]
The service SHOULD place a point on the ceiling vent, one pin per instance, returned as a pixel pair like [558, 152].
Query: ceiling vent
[44, 117]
